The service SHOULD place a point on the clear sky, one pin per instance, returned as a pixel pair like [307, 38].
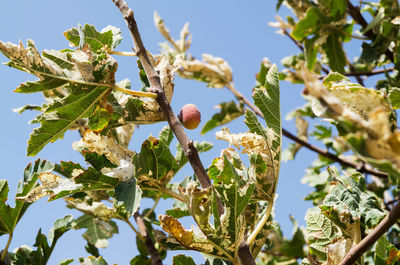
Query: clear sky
[234, 30]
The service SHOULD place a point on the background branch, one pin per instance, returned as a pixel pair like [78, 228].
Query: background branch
[155, 257]
[360, 167]
[355, 13]
[358, 250]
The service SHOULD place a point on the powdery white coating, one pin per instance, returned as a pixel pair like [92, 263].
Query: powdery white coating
[190, 116]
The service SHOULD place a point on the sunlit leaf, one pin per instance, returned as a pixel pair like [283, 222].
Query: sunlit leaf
[182, 260]
[75, 75]
[108, 38]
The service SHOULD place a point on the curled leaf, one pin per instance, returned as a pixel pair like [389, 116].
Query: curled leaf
[52, 185]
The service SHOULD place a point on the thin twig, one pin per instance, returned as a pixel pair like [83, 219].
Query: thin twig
[154, 256]
[367, 73]
[298, 43]
[261, 223]
[353, 69]
[360, 168]
[172, 193]
[300, 46]
[136, 93]
[5, 250]
[358, 250]
[154, 206]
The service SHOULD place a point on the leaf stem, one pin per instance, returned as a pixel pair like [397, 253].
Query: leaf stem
[5, 250]
[167, 191]
[136, 93]
[123, 53]
[154, 206]
[262, 222]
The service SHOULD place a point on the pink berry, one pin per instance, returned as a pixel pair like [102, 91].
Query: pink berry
[190, 116]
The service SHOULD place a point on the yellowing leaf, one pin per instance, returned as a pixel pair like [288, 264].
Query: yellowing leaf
[96, 209]
[51, 186]
[213, 70]
[107, 146]
[250, 142]
[175, 228]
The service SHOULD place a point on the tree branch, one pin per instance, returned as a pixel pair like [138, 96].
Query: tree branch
[301, 47]
[245, 255]
[358, 250]
[360, 168]
[155, 84]
[368, 73]
[155, 257]
[355, 13]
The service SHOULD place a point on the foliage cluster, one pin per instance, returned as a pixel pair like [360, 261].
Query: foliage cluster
[356, 125]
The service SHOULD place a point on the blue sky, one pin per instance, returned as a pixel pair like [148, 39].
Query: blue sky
[234, 30]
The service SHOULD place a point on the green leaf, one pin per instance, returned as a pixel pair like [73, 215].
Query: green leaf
[79, 180]
[337, 8]
[66, 262]
[108, 38]
[140, 260]
[98, 231]
[267, 100]
[376, 20]
[128, 196]
[294, 247]
[381, 247]
[394, 97]
[182, 260]
[97, 161]
[166, 135]
[91, 249]
[321, 232]
[348, 195]
[99, 119]
[235, 193]
[44, 246]
[92, 261]
[9, 216]
[180, 156]
[27, 107]
[310, 24]
[334, 51]
[311, 52]
[60, 116]
[154, 165]
[228, 112]
[74, 76]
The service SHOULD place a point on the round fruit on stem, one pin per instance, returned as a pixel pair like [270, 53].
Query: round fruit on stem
[190, 116]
